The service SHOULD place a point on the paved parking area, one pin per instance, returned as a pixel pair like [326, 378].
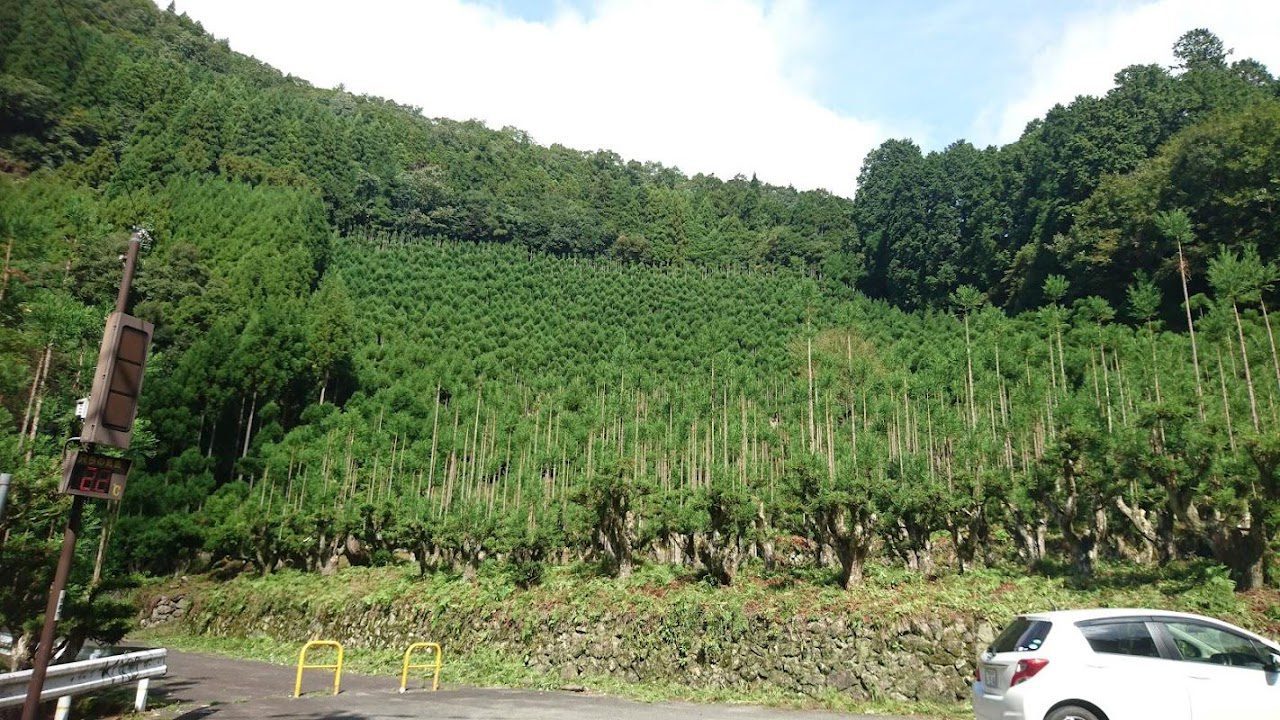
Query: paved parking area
[202, 686]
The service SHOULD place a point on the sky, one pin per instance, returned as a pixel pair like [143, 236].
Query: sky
[795, 92]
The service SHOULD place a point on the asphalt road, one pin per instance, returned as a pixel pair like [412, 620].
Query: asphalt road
[205, 686]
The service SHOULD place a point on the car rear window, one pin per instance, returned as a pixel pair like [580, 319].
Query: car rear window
[1121, 638]
[1022, 635]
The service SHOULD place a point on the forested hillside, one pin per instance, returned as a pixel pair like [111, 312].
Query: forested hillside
[380, 334]
[1078, 194]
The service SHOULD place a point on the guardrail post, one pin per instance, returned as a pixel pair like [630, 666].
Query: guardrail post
[302, 665]
[63, 709]
[439, 661]
[140, 697]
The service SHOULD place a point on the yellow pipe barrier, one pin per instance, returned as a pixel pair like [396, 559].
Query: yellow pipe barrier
[302, 665]
[439, 661]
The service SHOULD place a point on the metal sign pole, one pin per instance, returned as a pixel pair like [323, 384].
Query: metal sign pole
[44, 651]
[5, 478]
[4, 492]
[126, 282]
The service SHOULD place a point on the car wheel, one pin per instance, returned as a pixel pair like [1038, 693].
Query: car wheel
[1071, 712]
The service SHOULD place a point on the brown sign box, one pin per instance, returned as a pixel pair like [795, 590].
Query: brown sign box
[117, 382]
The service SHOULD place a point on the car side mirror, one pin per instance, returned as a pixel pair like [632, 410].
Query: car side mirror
[1273, 663]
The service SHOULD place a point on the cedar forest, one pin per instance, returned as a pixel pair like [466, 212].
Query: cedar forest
[385, 338]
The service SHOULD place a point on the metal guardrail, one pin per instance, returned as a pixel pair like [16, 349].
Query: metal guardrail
[435, 664]
[84, 676]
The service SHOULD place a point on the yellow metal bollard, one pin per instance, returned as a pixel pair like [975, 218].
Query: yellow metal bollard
[302, 665]
[439, 661]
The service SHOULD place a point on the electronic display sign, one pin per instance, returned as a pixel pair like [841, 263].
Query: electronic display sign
[94, 475]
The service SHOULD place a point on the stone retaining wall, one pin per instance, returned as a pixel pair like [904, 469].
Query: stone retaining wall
[702, 646]
[164, 608]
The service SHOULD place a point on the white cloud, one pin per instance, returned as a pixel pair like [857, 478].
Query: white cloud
[1084, 58]
[716, 86]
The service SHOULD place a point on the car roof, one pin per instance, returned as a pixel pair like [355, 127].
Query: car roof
[1121, 613]
[1086, 614]
[1072, 616]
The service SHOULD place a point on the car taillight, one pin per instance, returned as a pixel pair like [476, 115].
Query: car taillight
[1027, 669]
[977, 673]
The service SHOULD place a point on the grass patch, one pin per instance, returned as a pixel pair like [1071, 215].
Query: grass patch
[888, 592]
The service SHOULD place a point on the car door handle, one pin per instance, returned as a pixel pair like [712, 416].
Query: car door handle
[1198, 677]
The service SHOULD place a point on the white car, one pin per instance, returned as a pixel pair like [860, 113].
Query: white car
[1127, 665]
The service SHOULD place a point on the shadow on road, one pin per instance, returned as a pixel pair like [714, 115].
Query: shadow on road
[215, 711]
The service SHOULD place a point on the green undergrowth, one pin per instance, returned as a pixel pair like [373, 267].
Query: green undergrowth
[578, 592]
[579, 595]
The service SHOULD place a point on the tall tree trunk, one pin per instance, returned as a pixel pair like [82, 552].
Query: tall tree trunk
[1106, 385]
[1226, 405]
[108, 522]
[239, 425]
[41, 364]
[35, 416]
[248, 429]
[813, 432]
[1248, 375]
[1053, 371]
[1084, 553]
[435, 427]
[1146, 531]
[4, 276]
[1155, 367]
[1242, 547]
[1062, 365]
[764, 537]
[1030, 533]
[1191, 329]
[853, 558]
[1167, 544]
[1271, 340]
[849, 534]
[968, 356]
